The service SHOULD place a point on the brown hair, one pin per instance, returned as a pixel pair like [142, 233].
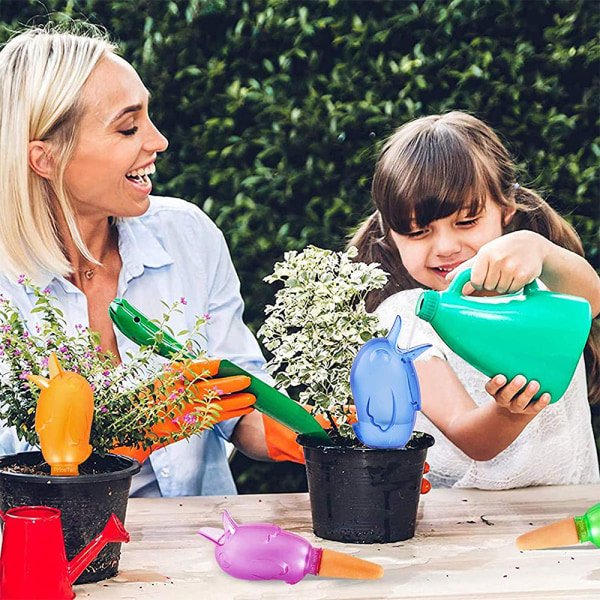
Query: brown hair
[436, 165]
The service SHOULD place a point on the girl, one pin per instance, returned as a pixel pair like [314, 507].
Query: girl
[447, 199]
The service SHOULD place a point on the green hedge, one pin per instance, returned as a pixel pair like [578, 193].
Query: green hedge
[275, 110]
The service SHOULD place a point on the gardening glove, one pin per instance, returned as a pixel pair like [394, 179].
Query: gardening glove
[232, 402]
[281, 441]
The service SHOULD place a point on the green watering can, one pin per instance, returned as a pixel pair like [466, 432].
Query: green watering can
[141, 330]
[535, 333]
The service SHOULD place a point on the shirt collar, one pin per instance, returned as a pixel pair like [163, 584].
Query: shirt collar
[139, 248]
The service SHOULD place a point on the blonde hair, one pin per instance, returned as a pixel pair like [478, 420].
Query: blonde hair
[42, 73]
[436, 165]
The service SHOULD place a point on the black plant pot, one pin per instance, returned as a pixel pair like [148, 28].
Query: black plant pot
[86, 502]
[365, 495]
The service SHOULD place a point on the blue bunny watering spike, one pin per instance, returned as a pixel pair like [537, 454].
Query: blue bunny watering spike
[386, 391]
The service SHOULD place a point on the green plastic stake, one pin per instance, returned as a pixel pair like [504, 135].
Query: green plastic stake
[141, 330]
[536, 333]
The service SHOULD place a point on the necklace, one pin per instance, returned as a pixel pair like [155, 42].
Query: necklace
[87, 272]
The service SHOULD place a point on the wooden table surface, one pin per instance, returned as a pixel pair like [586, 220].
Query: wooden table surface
[464, 549]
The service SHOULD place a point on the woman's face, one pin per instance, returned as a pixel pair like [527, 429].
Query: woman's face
[431, 252]
[116, 146]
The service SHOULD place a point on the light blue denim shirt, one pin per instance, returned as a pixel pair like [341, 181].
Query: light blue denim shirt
[173, 251]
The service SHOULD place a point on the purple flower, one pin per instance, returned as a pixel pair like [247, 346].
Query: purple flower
[24, 374]
[5, 328]
[21, 279]
[207, 317]
[182, 300]
[103, 409]
[46, 291]
[63, 349]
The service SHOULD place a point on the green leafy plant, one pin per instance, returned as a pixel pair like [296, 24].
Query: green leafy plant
[129, 397]
[317, 325]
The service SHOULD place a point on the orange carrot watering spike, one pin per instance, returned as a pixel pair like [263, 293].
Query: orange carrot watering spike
[63, 418]
[568, 532]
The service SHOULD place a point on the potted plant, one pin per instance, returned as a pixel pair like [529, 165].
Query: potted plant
[314, 330]
[129, 399]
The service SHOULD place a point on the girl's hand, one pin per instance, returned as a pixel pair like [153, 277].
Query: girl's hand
[506, 264]
[516, 396]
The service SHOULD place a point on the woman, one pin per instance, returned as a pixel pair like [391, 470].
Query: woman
[77, 149]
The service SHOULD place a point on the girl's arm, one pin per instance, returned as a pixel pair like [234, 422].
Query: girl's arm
[480, 432]
[567, 272]
[509, 262]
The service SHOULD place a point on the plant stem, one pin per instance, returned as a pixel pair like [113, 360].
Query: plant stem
[332, 421]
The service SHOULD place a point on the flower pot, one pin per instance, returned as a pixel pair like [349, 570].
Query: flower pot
[364, 495]
[86, 502]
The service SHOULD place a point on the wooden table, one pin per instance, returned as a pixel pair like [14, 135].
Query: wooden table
[464, 549]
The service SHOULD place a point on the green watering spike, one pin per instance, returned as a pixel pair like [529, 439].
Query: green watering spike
[141, 330]
[536, 333]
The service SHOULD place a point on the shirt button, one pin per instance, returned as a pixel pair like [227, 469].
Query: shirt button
[164, 472]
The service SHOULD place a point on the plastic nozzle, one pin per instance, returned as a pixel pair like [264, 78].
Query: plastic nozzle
[427, 305]
[336, 564]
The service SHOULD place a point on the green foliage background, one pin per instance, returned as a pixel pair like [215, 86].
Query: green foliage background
[275, 109]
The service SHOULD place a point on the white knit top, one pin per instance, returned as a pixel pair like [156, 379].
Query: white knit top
[556, 448]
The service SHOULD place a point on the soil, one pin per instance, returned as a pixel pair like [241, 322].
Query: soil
[43, 468]
[345, 442]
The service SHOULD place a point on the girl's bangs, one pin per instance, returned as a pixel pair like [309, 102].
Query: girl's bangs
[436, 181]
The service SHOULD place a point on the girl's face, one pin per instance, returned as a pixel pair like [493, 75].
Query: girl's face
[116, 146]
[430, 253]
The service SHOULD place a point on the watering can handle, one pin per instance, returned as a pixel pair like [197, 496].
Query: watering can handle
[465, 276]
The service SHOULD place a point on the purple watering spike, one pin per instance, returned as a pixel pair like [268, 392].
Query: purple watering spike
[259, 551]
[386, 391]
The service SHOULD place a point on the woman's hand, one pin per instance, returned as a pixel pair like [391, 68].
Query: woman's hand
[516, 395]
[225, 392]
[507, 263]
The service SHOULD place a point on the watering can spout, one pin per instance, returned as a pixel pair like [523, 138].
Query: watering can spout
[112, 532]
